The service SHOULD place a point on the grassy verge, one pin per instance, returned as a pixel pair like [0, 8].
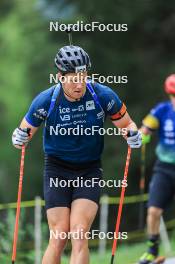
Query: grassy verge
[125, 255]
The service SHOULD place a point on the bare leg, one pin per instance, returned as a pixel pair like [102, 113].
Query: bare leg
[59, 221]
[83, 212]
[153, 220]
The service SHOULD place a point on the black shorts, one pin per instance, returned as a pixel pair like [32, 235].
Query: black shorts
[64, 183]
[162, 186]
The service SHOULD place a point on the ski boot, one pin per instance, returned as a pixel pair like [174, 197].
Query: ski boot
[148, 258]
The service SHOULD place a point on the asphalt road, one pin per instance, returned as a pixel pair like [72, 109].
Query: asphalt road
[167, 261]
[170, 261]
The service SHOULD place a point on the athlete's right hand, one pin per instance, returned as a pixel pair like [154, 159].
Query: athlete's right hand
[20, 137]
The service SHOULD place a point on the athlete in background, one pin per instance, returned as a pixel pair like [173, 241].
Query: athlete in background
[162, 186]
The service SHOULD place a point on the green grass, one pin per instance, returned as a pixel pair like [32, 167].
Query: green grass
[125, 255]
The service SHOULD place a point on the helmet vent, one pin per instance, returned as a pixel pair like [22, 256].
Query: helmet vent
[84, 59]
[73, 62]
[83, 56]
[68, 53]
[65, 62]
[79, 61]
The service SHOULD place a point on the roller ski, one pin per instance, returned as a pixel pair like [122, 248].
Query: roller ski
[149, 258]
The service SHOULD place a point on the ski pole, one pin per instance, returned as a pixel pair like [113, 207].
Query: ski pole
[114, 247]
[21, 175]
[142, 187]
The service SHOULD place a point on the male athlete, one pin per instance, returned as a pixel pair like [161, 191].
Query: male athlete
[162, 187]
[73, 102]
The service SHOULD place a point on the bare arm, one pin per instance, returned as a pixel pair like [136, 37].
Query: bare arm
[25, 124]
[134, 140]
[125, 122]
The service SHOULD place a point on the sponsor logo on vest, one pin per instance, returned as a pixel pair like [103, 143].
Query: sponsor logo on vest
[110, 105]
[80, 108]
[100, 115]
[90, 105]
[64, 110]
[65, 117]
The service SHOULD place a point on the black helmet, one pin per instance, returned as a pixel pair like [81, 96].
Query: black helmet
[72, 59]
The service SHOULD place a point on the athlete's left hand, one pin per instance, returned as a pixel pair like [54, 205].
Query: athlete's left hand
[134, 139]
